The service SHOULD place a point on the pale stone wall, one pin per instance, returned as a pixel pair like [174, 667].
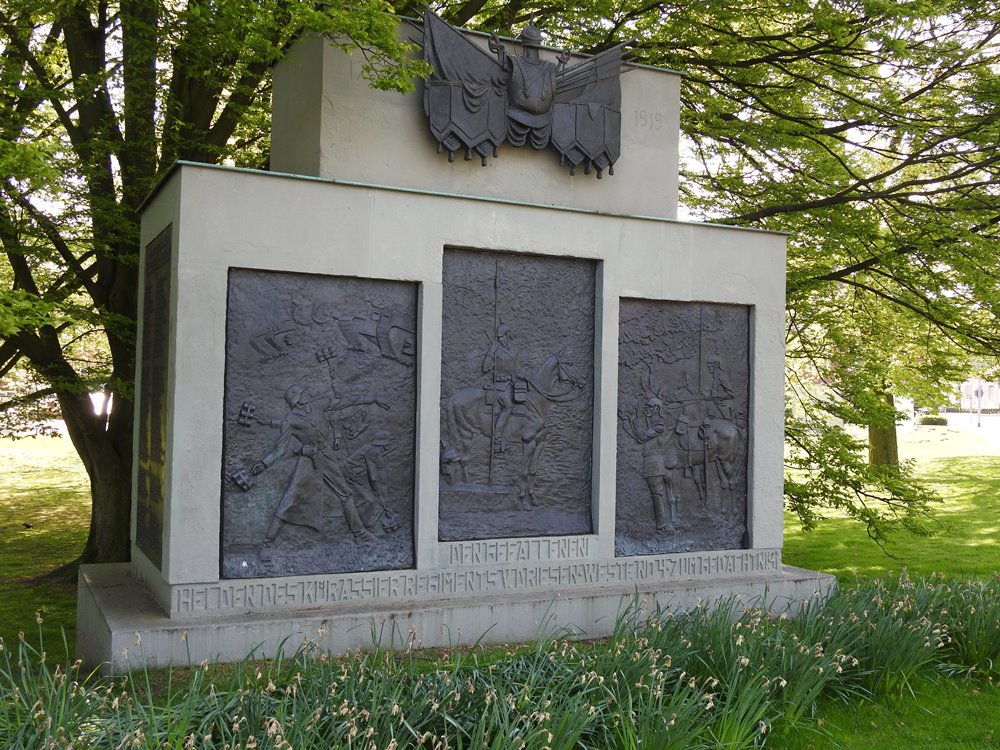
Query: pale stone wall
[328, 122]
[231, 218]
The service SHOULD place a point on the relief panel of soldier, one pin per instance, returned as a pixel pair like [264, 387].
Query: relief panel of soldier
[683, 399]
[516, 396]
[320, 403]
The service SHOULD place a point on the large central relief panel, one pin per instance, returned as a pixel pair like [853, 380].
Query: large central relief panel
[516, 395]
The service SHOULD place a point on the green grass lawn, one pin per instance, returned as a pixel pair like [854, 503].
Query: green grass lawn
[44, 510]
[964, 468]
[44, 514]
[965, 531]
[943, 715]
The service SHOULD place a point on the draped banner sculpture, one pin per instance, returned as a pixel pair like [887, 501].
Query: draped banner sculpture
[476, 101]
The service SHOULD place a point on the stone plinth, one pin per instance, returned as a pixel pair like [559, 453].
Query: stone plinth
[126, 628]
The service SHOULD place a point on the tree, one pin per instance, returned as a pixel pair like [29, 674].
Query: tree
[97, 99]
[866, 128]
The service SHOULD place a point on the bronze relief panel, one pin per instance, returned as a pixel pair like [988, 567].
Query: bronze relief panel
[683, 405]
[319, 432]
[154, 392]
[516, 395]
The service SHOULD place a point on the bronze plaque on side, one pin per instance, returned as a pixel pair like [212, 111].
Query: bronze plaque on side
[155, 357]
[319, 432]
[517, 363]
[683, 401]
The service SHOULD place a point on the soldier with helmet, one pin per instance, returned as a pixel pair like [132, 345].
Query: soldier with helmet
[656, 442]
[502, 363]
[303, 437]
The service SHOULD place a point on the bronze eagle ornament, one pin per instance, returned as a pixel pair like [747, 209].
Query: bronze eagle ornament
[475, 101]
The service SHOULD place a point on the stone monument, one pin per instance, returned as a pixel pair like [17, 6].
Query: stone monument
[387, 393]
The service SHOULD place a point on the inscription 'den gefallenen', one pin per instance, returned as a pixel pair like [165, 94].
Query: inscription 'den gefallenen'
[320, 414]
[241, 596]
[517, 363]
[683, 398]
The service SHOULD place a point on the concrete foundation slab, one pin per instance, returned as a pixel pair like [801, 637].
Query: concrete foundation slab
[124, 621]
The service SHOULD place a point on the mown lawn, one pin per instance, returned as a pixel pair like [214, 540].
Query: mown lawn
[44, 509]
[964, 540]
[943, 715]
[963, 465]
[44, 514]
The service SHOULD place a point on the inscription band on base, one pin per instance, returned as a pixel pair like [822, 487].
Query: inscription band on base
[276, 595]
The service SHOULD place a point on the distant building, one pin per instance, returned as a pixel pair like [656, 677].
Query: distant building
[979, 394]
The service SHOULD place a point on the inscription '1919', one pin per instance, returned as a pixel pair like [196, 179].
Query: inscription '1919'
[645, 120]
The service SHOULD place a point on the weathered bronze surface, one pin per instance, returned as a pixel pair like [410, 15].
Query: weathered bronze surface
[516, 395]
[319, 430]
[683, 400]
[476, 101]
[153, 398]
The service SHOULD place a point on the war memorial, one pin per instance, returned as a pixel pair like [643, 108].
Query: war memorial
[451, 370]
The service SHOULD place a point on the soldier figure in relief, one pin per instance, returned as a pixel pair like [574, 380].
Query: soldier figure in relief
[502, 363]
[315, 452]
[530, 92]
[656, 443]
[719, 393]
[364, 470]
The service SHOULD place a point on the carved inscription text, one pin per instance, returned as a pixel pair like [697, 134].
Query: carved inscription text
[245, 596]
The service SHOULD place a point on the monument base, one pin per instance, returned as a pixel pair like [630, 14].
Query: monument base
[121, 627]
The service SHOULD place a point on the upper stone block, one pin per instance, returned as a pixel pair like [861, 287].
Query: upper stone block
[327, 122]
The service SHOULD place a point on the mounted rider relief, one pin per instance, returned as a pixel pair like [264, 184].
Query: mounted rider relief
[517, 364]
[683, 400]
[320, 407]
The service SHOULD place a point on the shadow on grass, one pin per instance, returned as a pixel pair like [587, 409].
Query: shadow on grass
[965, 542]
[44, 514]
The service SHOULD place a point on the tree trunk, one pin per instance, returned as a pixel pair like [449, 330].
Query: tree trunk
[106, 452]
[883, 450]
[111, 495]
